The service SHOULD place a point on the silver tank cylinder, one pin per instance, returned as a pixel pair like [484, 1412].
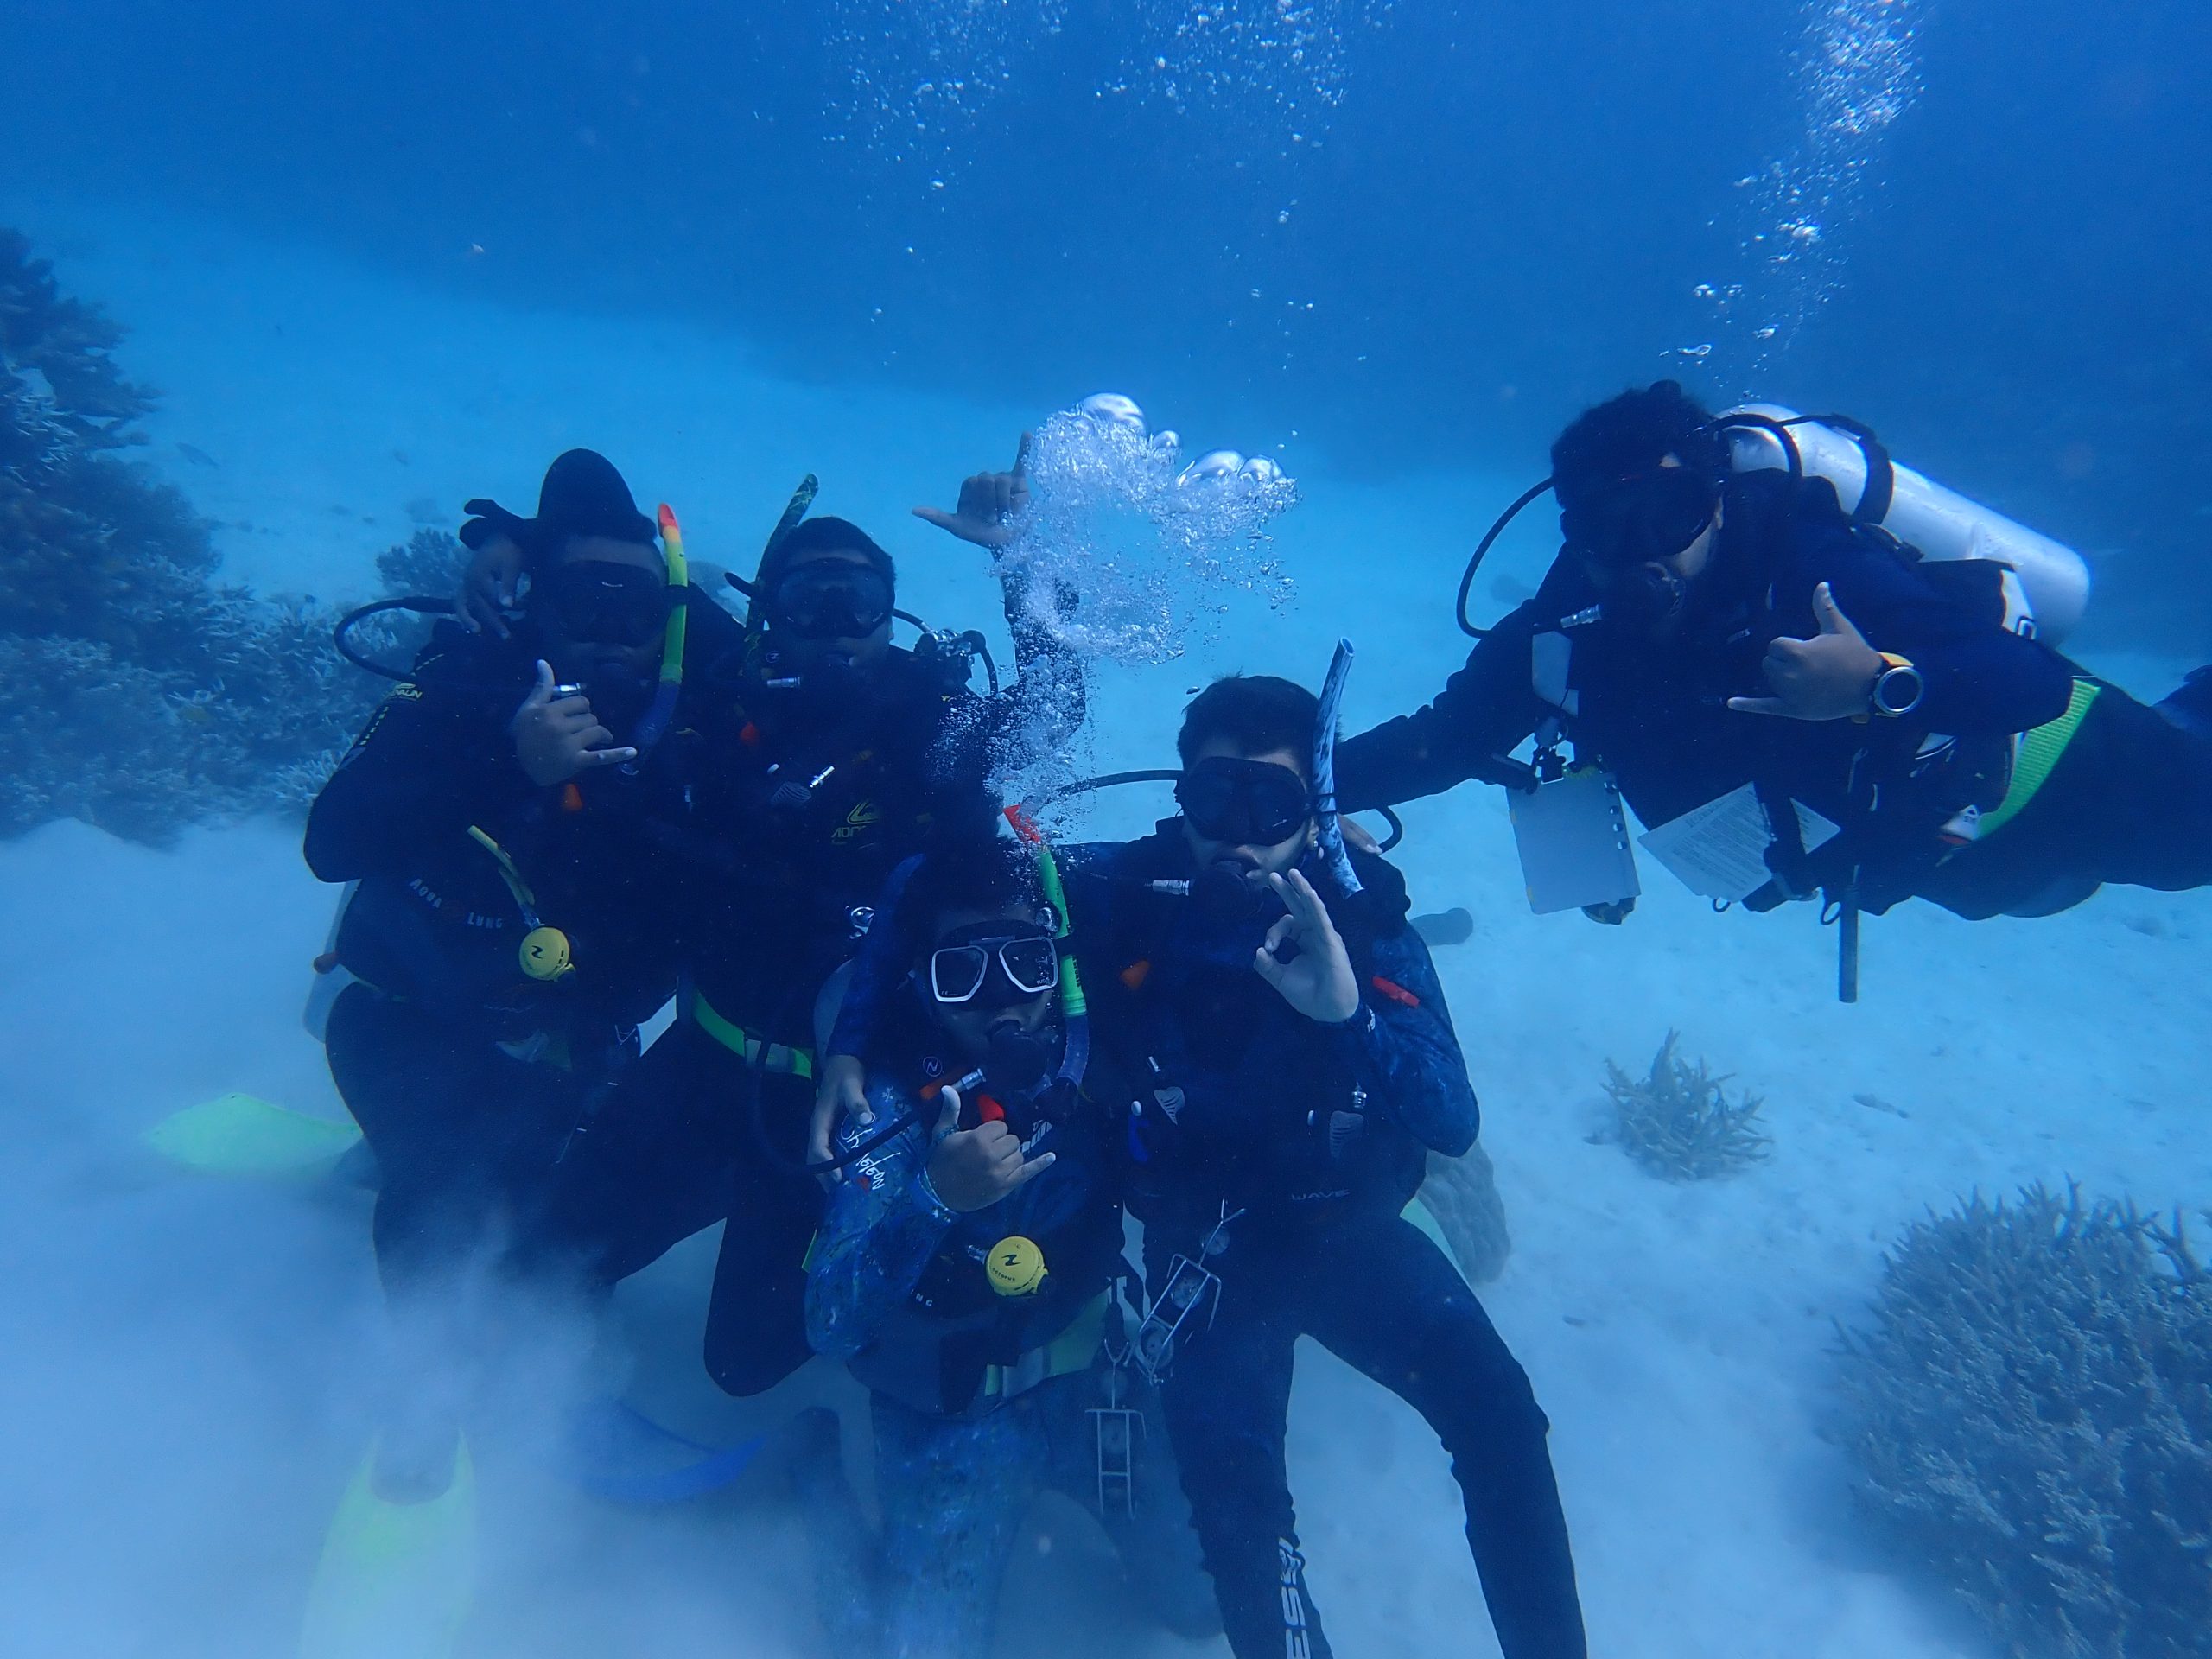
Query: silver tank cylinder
[1940, 522]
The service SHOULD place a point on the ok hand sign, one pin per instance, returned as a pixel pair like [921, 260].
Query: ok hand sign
[1319, 981]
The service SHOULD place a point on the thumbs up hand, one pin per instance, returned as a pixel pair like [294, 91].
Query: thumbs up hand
[1829, 676]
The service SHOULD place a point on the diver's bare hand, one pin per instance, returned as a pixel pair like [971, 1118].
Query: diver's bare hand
[1319, 981]
[991, 505]
[973, 1169]
[487, 589]
[557, 737]
[1829, 676]
[839, 1093]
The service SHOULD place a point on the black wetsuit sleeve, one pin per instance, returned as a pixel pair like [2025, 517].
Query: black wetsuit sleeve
[433, 759]
[1047, 702]
[1981, 679]
[1409, 1055]
[1483, 711]
[979, 737]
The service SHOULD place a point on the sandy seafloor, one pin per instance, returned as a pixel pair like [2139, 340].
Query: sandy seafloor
[191, 1363]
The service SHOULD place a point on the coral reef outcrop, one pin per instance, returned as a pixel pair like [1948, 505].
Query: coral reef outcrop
[2030, 1410]
[143, 693]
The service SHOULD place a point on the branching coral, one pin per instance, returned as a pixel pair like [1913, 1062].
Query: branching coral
[1678, 1123]
[143, 693]
[2031, 1409]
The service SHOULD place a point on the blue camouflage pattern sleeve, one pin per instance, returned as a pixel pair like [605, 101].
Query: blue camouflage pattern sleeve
[1409, 1057]
[883, 1225]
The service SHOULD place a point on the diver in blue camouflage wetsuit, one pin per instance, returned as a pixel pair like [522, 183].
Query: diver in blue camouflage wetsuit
[966, 1270]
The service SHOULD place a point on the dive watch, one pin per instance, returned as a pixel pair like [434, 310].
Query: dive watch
[1898, 688]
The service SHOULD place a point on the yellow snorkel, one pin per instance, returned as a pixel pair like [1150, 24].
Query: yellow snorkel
[654, 721]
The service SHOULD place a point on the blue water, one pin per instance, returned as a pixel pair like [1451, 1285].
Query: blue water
[1443, 230]
[381, 254]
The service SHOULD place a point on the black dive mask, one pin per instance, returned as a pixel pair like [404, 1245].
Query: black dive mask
[599, 602]
[1642, 518]
[829, 601]
[1244, 803]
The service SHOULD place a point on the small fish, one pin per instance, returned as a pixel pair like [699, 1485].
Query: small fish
[1876, 1104]
[197, 456]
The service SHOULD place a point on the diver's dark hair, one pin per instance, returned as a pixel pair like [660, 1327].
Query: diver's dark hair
[582, 496]
[1632, 434]
[825, 534]
[1259, 713]
[968, 869]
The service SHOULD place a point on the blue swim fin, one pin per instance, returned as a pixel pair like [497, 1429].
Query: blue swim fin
[618, 1455]
[394, 1580]
[244, 1134]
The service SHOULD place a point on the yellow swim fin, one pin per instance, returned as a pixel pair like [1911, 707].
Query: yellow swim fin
[242, 1134]
[395, 1580]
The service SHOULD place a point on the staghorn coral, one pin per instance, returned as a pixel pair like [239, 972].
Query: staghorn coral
[143, 693]
[430, 562]
[2032, 1410]
[1678, 1123]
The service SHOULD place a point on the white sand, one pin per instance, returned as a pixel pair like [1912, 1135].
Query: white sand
[189, 1377]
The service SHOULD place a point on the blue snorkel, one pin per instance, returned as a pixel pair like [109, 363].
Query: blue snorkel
[1332, 834]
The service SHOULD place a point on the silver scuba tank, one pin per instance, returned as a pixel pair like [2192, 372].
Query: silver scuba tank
[2052, 579]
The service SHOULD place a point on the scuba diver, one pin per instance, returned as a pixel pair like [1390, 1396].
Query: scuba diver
[1284, 1063]
[1708, 631]
[837, 754]
[966, 1274]
[1285, 1044]
[500, 942]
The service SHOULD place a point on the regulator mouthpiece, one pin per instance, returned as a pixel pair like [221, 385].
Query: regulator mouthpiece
[1018, 1061]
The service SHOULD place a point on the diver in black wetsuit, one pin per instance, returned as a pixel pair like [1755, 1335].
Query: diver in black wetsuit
[837, 754]
[1703, 630]
[1291, 1063]
[504, 938]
